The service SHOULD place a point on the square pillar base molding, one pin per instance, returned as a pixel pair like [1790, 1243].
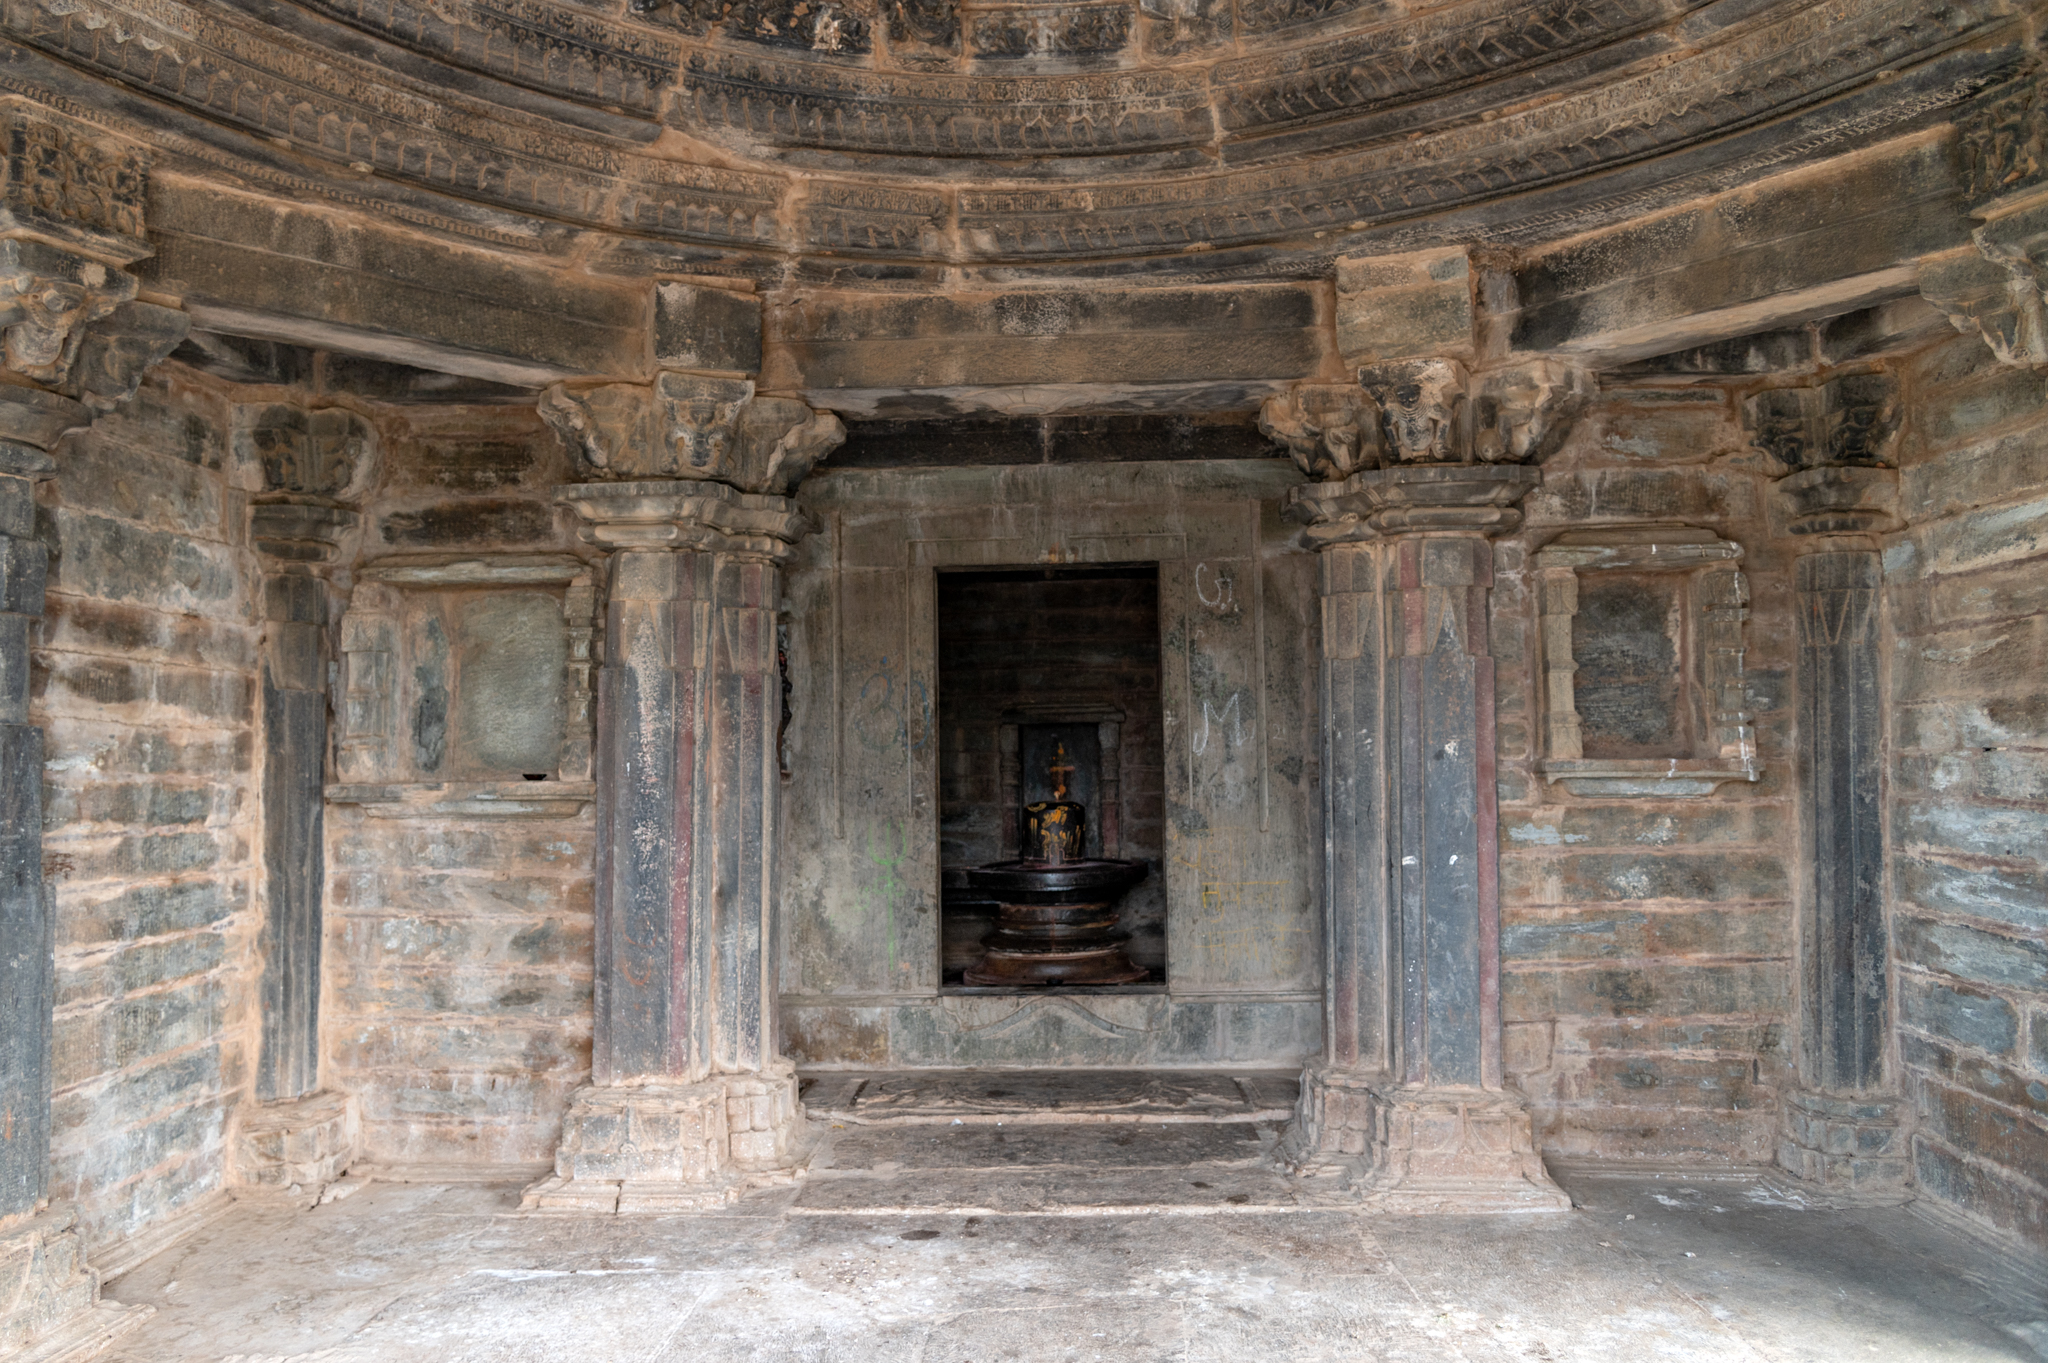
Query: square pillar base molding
[299, 1145]
[50, 1307]
[1847, 1146]
[1424, 1151]
[656, 1147]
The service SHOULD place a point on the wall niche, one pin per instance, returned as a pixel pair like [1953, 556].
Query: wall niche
[465, 688]
[1642, 637]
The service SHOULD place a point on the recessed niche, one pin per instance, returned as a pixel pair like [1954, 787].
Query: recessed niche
[1642, 655]
[1038, 668]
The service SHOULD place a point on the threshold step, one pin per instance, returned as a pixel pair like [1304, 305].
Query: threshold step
[1016, 1097]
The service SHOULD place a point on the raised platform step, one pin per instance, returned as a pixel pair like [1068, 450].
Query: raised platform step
[1021, 1097]
[1048, 1143]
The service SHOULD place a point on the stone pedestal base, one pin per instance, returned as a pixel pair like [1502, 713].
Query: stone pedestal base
[669, 1147]
[298, 1146]
[1855, 1146]
[1425, 1150]
[50, 1307]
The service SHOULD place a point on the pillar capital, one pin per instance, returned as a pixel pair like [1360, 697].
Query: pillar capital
[694, 428]
[1831, 445]
[1423, 445]
[308, 462]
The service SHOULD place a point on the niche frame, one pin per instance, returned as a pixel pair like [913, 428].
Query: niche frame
[370, 724]
[1711, 686]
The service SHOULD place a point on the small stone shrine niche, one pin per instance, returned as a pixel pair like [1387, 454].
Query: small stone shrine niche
[465, 687]
[1642, 654]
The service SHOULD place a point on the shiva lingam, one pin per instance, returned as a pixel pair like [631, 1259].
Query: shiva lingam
[1056, 906]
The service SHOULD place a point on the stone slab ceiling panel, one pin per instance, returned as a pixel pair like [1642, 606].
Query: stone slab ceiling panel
[721, 136]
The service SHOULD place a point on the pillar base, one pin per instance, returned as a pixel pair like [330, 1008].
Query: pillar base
[50, 1307]
[1423, 1150]
[655, 1147]
[299, 1145]
[1847, 1145]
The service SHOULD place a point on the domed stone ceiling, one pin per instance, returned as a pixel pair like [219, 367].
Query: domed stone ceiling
[1152, 138]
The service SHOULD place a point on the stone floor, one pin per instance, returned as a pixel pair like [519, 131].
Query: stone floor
[951, 1225]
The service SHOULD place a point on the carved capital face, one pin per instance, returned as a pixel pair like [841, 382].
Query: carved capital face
[47, 299]
[1846, 422]
[1522, 414]
[1332, 430]
[319, 453]
[692, 427]
[120, 348]
[1423, 411]
[698, 420]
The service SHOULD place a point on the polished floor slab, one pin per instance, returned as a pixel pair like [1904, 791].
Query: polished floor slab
[1716, 1268]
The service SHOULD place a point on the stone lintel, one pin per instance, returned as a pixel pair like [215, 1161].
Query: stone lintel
[661, 1147]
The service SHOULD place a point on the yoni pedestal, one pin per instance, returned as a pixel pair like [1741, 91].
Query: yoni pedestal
[655, 1147]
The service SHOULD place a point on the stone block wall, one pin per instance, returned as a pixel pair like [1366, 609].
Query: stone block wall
[145, 684]
[459, 958]
[1646, 941]
[1967, 591]
[459, 944]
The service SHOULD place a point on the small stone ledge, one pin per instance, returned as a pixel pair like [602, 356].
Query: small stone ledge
[467, 799]
[1646, 778]
[657, 1147]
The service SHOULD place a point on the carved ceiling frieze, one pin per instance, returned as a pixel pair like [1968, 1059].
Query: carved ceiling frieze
[946, 140]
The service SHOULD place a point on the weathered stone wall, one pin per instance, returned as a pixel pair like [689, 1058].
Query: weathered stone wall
[458, 950]
[145, 686]
[1646, 940]
[1967, 589]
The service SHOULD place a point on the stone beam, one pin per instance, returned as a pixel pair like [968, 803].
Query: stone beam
[1785, 250]
[309, 276]
[1033, 352]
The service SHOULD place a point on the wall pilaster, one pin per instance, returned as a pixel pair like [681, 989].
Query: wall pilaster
[1844, 1124]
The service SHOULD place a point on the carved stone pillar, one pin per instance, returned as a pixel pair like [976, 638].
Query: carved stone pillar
[1419, 467]
[691, 1099]
[1842, 1124]
[72, 342]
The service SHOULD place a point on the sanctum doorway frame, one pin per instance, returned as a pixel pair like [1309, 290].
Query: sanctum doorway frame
[860, 878]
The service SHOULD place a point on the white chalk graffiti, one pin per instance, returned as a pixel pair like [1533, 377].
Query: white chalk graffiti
[1232, 710]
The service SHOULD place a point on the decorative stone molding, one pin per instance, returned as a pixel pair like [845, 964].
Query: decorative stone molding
[1856, 1144]
[1999, 289]
[675, 514]
[50, 1296]
[120, 348]
[1833, 440]
[1710, 697]
[318, 452]
[66, 181]
[694, 427]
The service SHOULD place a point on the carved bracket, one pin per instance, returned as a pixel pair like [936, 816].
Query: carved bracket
[674, 514]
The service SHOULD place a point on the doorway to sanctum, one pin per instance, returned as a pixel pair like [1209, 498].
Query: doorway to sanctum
[1049, 694]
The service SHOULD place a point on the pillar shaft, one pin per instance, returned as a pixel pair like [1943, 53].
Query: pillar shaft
[27, 954]
[1446, 814]
[294, 858]
[1355, 883]
[1845, 1003]
[689, 697]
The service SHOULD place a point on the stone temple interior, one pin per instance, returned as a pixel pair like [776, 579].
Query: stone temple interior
[544, 544]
